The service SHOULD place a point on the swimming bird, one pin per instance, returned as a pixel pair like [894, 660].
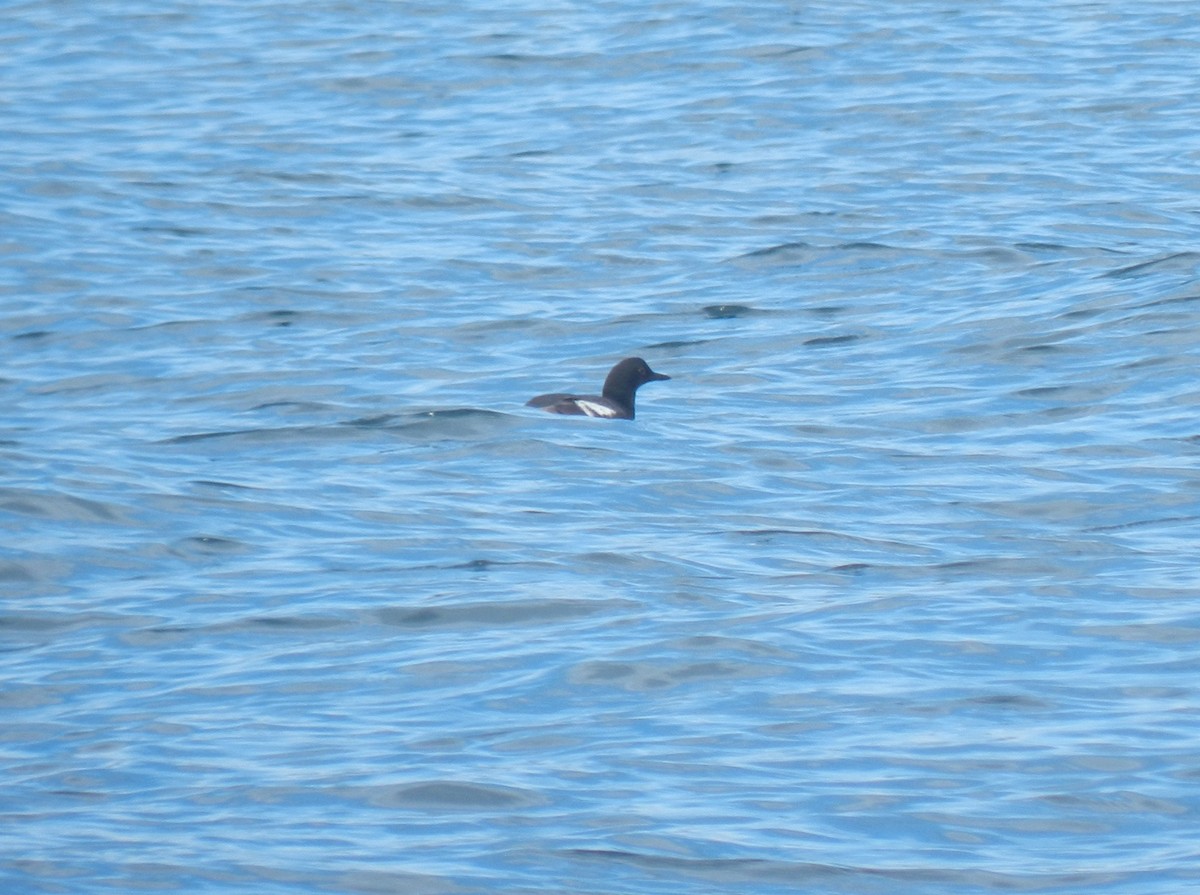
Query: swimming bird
[616, 402]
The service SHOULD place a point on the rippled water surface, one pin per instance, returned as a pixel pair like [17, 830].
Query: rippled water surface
[892, 588]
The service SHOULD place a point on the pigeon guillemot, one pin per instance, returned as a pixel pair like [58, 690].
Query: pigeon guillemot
[617, 401]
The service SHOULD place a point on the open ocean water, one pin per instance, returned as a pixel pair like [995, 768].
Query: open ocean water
[893, 588]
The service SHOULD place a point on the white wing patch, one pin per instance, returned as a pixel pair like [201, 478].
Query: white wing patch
[593, 409]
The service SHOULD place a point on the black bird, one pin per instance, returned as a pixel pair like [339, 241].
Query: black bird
[617, 401]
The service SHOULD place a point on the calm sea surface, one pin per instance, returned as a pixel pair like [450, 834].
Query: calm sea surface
[893, 588]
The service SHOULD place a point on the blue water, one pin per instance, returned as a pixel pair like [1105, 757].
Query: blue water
[892, 588]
